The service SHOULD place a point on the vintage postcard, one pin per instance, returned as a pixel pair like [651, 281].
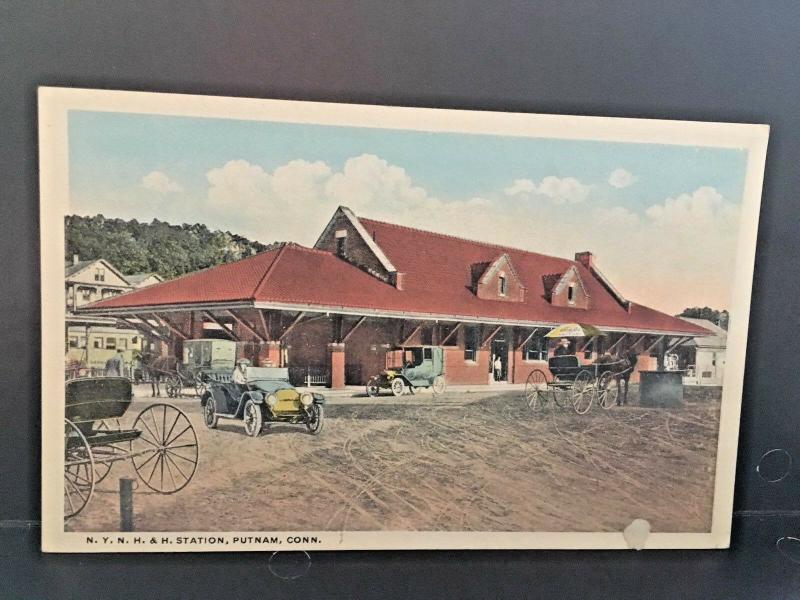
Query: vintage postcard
[274, 325]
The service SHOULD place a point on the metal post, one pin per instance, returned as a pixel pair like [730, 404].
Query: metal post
[126, 503]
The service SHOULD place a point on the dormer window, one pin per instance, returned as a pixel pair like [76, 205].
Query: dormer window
[341, 243]
[502, 284]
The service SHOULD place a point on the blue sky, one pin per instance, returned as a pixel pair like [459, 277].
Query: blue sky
[278, 181]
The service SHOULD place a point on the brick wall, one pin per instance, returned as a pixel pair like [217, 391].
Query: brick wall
[357, 251]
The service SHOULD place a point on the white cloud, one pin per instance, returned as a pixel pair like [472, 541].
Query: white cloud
[520, 186]
[237, 182]
[368, 180]
[160, 182]
[618, 215]
[558, 190]
[677, 253]
[621, 178]
[702, 207]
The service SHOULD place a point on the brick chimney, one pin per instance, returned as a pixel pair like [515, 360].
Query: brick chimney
[585, 258]
[398, 279]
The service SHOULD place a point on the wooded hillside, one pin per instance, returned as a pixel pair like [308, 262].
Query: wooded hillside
[155, 247]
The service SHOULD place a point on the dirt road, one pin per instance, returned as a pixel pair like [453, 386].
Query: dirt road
[461, 462]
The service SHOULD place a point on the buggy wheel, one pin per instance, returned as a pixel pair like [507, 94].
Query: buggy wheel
[315, 420]
[398, 387]
[607, 391]
[165, 455]
[253, 418]
[583, 389]
[210, 417]
[173, 386]
[536, 389]
[105, 455]
[373, 388]
[79, 473]
[439, 385]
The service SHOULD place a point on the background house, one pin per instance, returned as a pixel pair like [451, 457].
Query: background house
[704, 357]
[92, 340]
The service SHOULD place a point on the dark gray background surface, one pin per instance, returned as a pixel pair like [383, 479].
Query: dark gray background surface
[721, 61]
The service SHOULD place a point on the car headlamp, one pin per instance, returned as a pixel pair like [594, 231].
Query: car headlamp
[272, 400]
[306, 399]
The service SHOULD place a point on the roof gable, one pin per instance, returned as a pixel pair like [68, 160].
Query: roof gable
[83, 272]
[363, 251]
[576, 297]
[498, 280]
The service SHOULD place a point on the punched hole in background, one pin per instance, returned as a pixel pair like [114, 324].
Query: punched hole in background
[289, 565]
[774, 465]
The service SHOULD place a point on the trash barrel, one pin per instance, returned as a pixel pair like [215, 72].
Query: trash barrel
[660, 389]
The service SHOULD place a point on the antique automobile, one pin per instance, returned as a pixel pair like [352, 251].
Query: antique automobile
[408, 368]
[160, 443]
[267, 397]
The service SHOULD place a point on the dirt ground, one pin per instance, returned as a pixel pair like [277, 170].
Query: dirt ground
[461, 462]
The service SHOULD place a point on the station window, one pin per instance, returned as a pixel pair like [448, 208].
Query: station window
[427, 353]
[87, 293]
[97, 342]
[536, 348]
[502, 285]
[571, 293]
[122, 344]
[99, 274]
[111, 343]
[73, 341]
[471, 343]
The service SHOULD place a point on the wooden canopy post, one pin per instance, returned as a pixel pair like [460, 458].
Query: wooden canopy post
[246, 325]
[650, 348]
[222, 325]
[169, 325]
[353, 328]
[412, 334]
[491, 335]
[451, 334]
[292, 325]
[264, 325]
[527, 339]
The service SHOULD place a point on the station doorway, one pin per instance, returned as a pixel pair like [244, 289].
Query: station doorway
[498, 363]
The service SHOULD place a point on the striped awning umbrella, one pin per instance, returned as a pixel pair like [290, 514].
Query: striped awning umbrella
[574, 330]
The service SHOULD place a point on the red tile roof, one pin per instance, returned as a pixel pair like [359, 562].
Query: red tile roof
[438, 278]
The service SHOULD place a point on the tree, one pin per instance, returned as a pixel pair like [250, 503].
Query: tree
[155, 247]
[718, 317]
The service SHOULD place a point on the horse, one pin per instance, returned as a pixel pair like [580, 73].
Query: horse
[623, 366]
[629, 359]
[157, 368]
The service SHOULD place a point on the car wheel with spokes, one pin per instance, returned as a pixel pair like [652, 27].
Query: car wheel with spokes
[210, 417]
[398, 387]
[315, 420]
[253, 419]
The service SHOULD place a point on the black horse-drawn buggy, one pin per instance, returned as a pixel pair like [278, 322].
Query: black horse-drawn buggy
[579, 384]
[160, 443]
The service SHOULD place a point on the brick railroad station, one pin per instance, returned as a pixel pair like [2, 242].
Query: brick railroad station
[334, 310]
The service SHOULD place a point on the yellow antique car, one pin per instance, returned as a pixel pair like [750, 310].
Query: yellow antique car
[266, 397]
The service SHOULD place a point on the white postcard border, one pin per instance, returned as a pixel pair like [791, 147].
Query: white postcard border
[54, 104]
